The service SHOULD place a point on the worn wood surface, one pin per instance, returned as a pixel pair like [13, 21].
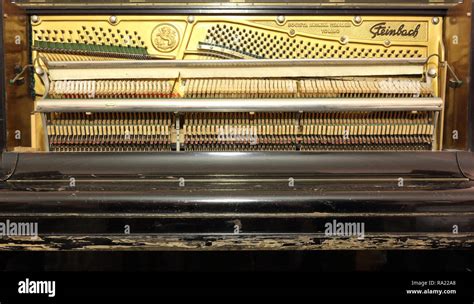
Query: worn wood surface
[237, 242]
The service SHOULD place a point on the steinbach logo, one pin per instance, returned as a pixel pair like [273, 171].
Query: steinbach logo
[9, 228]
[382, 29]
[37, 287]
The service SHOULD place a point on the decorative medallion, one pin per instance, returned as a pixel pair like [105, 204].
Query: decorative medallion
[165, 37]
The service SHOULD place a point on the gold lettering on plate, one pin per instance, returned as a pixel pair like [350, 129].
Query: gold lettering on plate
[368, 30]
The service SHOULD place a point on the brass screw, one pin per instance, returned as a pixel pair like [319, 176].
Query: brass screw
[113, 19]
[357, 20]
[432, 73]
[39, 71]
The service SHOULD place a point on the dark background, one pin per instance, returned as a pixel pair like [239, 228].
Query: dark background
[397, 261]
[372, 274]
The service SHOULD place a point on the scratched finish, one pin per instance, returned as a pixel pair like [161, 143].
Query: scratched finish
[241, 242]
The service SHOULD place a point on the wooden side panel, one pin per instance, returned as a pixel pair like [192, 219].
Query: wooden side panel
[458, 48]
[18, 102]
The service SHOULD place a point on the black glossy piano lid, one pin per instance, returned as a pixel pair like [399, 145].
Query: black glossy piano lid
[406, 7]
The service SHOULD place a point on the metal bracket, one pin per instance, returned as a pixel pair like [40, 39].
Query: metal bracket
[18, 80]
[453, 82]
